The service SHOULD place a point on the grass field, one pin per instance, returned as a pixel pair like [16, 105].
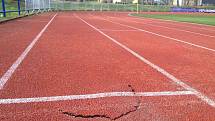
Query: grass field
[192, 18]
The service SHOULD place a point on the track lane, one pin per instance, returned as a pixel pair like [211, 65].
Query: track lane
[16, 36]
[207, 29]
[192, 64]
[164, 114]
[69, 51]
[141, 21]
[68, 57]
[198, 28]
[171, 109]
[197, 39]
[72, 58]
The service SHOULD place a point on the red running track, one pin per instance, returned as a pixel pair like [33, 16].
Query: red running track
[103, 66]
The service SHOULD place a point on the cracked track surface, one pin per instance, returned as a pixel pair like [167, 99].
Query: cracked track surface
[72, 59]
[106, 116]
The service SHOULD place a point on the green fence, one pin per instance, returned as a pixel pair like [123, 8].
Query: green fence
[95, 6]
[32, 6]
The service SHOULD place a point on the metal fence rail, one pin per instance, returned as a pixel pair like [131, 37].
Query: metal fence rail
[23, 6]
[30, 6]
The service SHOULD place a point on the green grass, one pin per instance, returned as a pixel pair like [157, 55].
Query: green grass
[200, 19]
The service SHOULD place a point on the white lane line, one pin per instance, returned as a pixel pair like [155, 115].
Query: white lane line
[150, 24]
[159, 69]
[176, 23]
[178, 40]
[11, 70]
[93, 96]
[118, 30]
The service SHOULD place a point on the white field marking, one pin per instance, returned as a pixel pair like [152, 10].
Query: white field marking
[175, 23]
[117, 30]
[11, 70]
[94, 96]
[159, 69]
[206, 35]
[178, 40]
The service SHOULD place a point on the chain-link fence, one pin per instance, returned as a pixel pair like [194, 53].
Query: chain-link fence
[14, 8]
[103, 6]
[37, 5]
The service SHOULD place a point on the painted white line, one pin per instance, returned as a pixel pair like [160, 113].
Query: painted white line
[165, 27]
[93, 96]
[175, 23]
[159, 69]
[178, 40]
[118, 30]
[11, 70]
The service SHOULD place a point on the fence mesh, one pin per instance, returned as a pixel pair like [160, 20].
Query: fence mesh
[32, 6]
[97, 6]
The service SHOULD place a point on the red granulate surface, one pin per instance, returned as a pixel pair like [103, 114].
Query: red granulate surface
[16, 35]
[71, 58]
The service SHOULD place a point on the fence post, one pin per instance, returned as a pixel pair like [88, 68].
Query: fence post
[3, 8]
[49, 4]
[137, 6]
[19, 11]
[33, 5]
[25, 5]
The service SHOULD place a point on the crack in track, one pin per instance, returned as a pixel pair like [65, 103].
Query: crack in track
[136, 107]
[86, 116]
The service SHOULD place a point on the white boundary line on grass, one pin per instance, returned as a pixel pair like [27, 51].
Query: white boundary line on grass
[178, 40]
[159, 69]
[93, 96]
[15, 65]
[150, 24]
[164, 21]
